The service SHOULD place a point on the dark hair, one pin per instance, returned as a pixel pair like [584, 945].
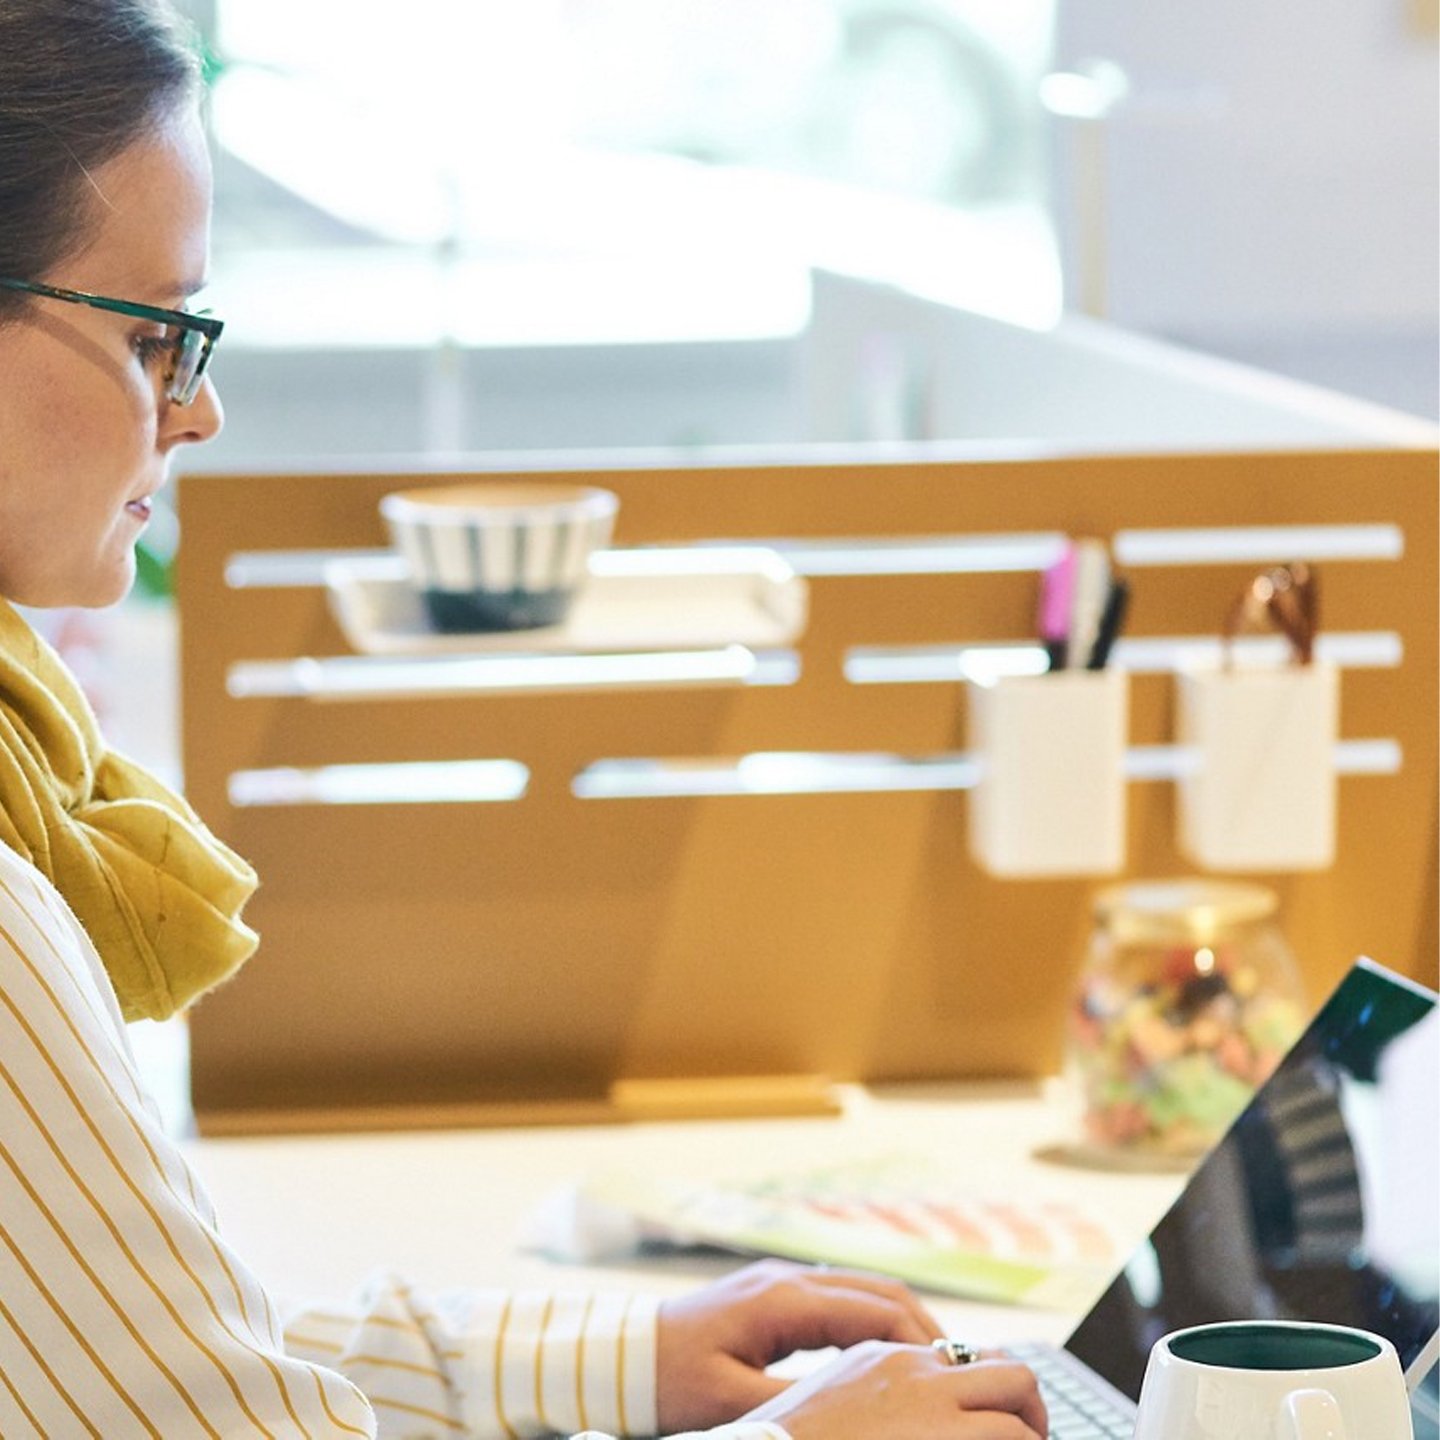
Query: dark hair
[80, 81]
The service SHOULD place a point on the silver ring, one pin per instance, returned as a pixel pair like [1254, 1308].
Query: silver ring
[955, 1352]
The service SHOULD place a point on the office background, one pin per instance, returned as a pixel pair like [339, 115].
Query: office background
[572, 225]
[428, 226]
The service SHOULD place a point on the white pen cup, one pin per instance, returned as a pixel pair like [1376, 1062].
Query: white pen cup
[1260, 792]
[1273, 1380]
[1049, 798]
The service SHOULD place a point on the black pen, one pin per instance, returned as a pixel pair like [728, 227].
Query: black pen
[1112, 617]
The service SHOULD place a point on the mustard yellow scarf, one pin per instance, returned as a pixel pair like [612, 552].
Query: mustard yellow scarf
[158, 894]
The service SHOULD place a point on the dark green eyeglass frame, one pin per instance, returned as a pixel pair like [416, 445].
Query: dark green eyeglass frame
[192, 346]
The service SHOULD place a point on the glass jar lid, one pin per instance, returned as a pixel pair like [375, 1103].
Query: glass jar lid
[1195, 912]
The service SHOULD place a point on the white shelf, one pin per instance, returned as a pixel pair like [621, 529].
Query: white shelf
[383, 677]
[634, 600]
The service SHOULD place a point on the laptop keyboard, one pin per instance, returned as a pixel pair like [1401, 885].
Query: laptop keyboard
[1076, 1411]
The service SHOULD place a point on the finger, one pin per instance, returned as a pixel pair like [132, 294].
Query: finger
[744, 1387]
[805, 1317]
[817, 1315]
[926, 1326]
[1000, 1385]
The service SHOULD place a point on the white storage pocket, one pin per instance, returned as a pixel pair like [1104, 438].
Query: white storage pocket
[1259, 791]
[1050, 795]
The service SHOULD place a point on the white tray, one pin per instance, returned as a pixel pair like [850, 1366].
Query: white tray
[655, 599]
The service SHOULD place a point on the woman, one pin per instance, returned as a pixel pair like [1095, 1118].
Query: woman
[122, 1311]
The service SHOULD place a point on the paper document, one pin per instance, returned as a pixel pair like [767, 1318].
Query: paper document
[895, 1215]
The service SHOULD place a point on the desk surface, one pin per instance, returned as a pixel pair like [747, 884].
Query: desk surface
[447, 1209]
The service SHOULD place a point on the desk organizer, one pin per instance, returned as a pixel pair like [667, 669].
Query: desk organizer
[657, 599]
[1049, 796]
[1260, 793]
[526, 885]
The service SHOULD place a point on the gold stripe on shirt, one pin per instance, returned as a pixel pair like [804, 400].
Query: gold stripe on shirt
[21, 1405]
[540, 1362]
[66, 921]
[86, 998]
[160, 1171]
[325, 1403]
[445, 1420]
[620, 1368]
[580, 1364]
[385, 1362]
[348, 1321]
[105, 1078]
[63, 1316]
[121, 1243]
[45, 1369]
[273, 1328]
[19, 1400]
[308, 1342]
[500, 1368]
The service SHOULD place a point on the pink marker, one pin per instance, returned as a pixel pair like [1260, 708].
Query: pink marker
[1057, 597]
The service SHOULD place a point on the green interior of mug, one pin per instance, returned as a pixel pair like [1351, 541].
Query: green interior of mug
[1273, 1347]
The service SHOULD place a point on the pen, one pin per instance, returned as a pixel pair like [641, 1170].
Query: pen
[1057, 595]
[1092, 583]
[1112, 618]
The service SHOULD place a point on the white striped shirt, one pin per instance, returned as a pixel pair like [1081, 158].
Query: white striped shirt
[123, 1313]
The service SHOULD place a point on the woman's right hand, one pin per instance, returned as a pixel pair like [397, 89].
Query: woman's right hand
[876, 1391]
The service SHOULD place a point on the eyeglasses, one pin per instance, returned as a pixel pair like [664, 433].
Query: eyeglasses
[1287, 597]
[190, 345]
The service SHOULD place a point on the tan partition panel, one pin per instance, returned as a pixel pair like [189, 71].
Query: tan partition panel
[424, 963]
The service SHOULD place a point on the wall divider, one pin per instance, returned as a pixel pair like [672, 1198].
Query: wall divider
[493, 892]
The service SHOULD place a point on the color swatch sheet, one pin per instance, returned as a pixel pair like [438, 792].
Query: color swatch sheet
[896, 1215]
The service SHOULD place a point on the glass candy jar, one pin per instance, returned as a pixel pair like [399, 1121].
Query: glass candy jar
[1188, 998]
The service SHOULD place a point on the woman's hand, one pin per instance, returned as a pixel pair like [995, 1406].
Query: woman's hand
[875, 1392]
[714, 1345]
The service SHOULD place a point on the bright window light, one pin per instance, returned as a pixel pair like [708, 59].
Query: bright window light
[685, 165]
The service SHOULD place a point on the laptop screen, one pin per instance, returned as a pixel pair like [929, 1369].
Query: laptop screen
[1319, 1204]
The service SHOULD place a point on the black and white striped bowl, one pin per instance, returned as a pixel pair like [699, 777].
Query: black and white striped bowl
[500, 556]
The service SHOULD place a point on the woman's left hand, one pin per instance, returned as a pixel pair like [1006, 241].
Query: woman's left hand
[714, 1345]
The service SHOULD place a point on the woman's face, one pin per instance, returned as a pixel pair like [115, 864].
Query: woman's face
[86, 434]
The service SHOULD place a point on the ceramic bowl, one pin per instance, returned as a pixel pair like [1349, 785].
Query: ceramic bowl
[505, 555]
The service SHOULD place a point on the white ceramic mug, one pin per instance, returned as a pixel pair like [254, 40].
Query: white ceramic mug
[1273, 1380]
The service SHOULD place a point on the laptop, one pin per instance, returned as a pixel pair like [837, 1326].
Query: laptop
[1319, 1203]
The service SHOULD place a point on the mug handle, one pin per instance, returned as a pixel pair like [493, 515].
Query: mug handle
[1311, 1415]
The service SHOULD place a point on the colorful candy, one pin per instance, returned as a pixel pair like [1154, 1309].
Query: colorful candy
[1168, 1043]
